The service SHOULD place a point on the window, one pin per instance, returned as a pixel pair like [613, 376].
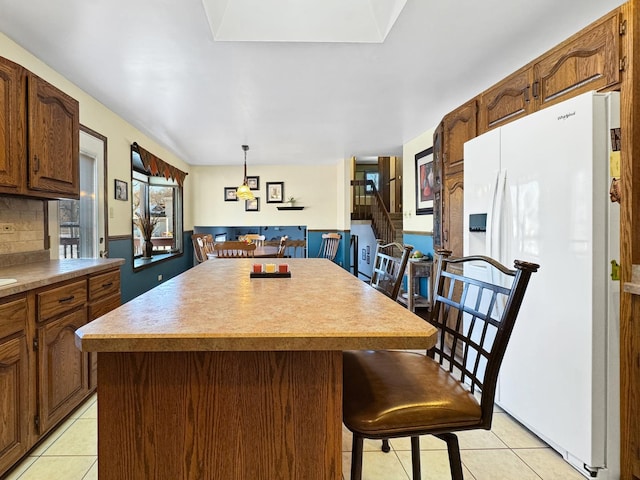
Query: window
[160, 199]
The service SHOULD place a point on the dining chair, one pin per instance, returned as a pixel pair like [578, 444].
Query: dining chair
[296, 246]
[202, 244]
[329, 245]
[233, 249]
[282, 246]
[390, 394]
[389, 263]
[255, 238]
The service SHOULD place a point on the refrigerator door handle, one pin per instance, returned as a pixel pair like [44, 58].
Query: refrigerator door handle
[489, 239]
[499, 240]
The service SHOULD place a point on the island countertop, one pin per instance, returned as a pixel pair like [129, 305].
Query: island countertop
[42, 274]
[216, 306]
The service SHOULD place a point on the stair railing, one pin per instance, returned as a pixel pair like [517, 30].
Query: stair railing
[368, 204]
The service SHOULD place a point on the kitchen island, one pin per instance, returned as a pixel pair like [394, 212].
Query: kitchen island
[214, 374]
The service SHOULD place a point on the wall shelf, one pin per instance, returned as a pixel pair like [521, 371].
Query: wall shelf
[290, 208]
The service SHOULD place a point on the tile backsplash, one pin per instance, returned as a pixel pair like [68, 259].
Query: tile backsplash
[21, 225]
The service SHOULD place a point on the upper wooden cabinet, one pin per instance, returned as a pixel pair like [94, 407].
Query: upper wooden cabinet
[458, 127]
[12, 126]
[54, 139]
[506, 101]
[39, 136]
[590, 60]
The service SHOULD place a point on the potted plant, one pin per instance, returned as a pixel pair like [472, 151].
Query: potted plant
[145, 224]
[291, 201]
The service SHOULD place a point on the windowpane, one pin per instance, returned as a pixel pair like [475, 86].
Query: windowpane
[161, 199]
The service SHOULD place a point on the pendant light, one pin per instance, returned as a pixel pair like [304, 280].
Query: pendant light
[243, 192]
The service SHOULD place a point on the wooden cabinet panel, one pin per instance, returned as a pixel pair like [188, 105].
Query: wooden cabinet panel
[55, 301]
[62, 378]
[452, 219]
[437, 185]
[506, 101]
[589, 60]
[104, 285]
[12, 126]
[459, 126]
[104, 296]
[54, 139]
[14, 383]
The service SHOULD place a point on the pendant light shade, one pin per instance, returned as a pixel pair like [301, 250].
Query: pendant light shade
[243, 192]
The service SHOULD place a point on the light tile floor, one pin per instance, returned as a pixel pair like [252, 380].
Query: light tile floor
[507, 452]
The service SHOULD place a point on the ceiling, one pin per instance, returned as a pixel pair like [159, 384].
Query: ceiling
[156, 64]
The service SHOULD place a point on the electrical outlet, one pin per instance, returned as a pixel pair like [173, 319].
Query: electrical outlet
[7, 228]
[160, 277]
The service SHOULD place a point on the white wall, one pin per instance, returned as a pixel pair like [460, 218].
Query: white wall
[120, 135]
[413, 222]
[316, 188]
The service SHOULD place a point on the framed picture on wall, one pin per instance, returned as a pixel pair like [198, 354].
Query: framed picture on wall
[230, 194]
[252, 205]
[424, 182]
[253, 182]
[121, 190]
[275, 192]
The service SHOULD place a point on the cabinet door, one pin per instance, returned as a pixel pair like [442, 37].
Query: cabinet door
[437, 186]
[506, 101]
[452, 207]
[459, 126]
[54, 138]
[12, 126]
[62, 378]
[589, 60]
[14, 385]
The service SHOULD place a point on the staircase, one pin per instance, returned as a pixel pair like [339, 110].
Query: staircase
[368, 205]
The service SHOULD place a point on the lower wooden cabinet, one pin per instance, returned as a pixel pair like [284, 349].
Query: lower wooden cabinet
[14, 382]
[62, 369]
[43, 375]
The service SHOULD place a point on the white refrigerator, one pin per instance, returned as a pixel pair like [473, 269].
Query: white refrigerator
[537, 189]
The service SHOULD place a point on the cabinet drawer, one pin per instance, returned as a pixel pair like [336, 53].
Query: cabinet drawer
[13, 316]
[54, 301]
[104, 285]
[104, 306]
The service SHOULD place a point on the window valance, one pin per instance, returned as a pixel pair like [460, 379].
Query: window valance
[152, 165]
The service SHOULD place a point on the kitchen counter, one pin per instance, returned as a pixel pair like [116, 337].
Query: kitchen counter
[42, 274]
[236, 377]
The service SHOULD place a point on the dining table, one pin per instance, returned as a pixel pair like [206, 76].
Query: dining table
[216, 374]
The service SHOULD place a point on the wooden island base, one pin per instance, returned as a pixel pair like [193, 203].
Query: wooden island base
[220, 415]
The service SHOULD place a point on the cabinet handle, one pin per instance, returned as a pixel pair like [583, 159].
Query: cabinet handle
[107, 285]
[66, 299]
[535, 87]
[526, 94]
[36, 164]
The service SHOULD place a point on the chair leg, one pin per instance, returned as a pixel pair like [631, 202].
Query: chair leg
[455, 464]
[415, 457]
[386, 448]
[356, 457]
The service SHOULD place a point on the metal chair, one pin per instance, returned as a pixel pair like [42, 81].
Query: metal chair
[388, 269]
[389, 394]
[329, 245]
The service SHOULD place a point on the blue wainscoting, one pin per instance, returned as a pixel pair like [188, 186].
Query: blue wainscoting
[343, 256]
[136, 283]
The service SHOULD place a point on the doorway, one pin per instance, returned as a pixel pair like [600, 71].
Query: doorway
[80, 226]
